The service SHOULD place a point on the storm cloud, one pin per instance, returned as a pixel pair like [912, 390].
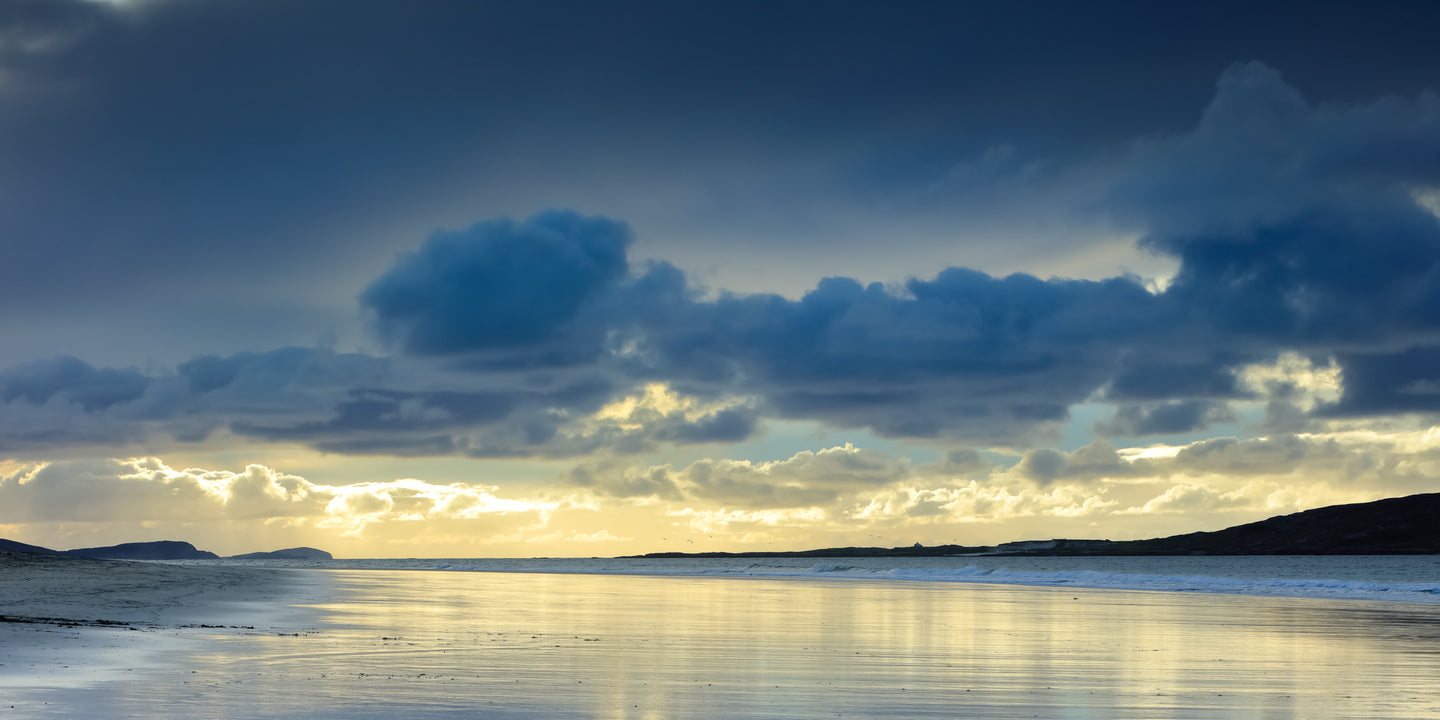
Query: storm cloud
[1294, 227]
[260, 181]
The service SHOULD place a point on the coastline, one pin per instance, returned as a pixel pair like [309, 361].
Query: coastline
[350, 643]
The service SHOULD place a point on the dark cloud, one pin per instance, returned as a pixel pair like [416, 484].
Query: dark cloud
[1164, 418]
[1296, 228]
[1149, 378]
[1389, 383]
[498, 284]
[964, 351]
[67, 379]
[405, 445]
[378, 411]
[149, 156]
[1295, 224]
[287, 371]
[727, 425]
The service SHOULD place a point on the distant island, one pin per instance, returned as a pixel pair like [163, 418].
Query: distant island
[1394, 526]
[299, 553]
[158, 550]
[161, 550]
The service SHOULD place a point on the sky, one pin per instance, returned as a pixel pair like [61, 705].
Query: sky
[474, 279]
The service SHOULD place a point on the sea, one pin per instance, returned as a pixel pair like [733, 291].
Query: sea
[1188, 638]
[1394, 578]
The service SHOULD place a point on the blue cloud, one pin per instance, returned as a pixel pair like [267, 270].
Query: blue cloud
[1164, 418]
[728, 425]
[1162, 372]
[71, 380]
[964, 352]
[1382, 383]
[498, 284]
[1295, 228]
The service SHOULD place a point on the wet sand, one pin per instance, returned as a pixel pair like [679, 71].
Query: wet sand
[72, 625]
[435, 644]
[129, 593]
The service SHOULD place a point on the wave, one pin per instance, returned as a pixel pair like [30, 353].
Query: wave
[1416, 592]
[1349, 589]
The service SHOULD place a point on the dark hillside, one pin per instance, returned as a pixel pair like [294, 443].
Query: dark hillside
[1394, 526]
[19, 547]
[158, 550]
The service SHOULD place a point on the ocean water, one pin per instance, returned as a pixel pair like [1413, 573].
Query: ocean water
[1408, 578]
[750, 641]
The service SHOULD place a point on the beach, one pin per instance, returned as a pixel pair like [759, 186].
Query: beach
[426, 644]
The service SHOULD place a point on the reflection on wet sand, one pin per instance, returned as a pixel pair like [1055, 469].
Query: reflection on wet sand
[428, 644]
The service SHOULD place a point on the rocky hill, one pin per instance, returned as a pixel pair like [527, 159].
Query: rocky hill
[158, 550]
[299, 553]
[19, 547]
[1395, 526]
[162, 550]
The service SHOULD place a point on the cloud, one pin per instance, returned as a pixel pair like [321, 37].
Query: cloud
[1387, 383]
[102, 491]
[962, 353]
[65, 402]
[625, 482]
[67, 379]
[394, 124]
[1192, 499]
[961, 333]
[146, 490]
[1345, 464]
[842, 495]
[964, 460]
[499, 284]
[1046, 465]
[806, 479]
[1296, 226]
[728, 425]
[1264, 456]
[973, 503]
[1164, 418]
[1206, 374]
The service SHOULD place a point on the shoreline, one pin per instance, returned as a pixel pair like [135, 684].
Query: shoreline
[115, 593]
[1399, 578]
[387, 642]
[72, 625]
[451, 645]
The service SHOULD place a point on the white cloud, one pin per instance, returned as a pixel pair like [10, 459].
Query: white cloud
[1296, 378]
[844, 495]
[148, 490]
